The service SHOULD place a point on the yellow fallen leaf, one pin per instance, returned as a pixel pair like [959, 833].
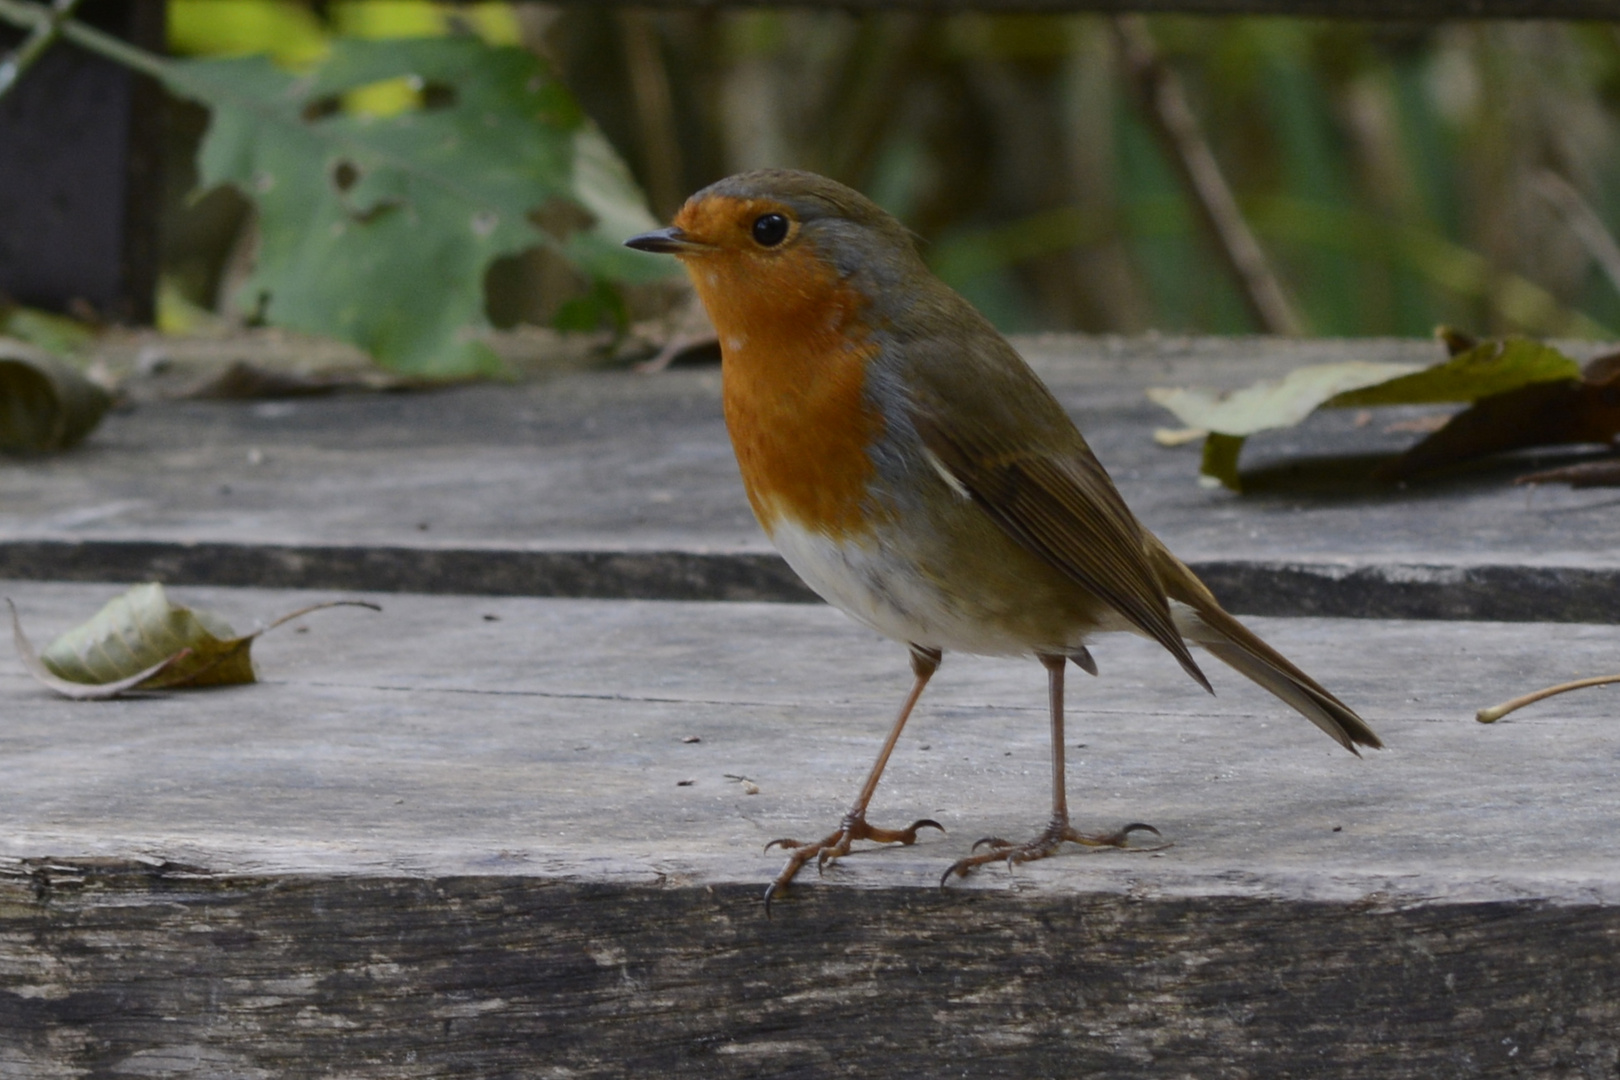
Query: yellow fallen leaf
[141, 640]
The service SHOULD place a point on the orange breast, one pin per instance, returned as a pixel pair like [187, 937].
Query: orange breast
[794, 356]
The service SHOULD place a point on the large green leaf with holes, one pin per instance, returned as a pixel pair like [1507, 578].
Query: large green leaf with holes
[379, 229]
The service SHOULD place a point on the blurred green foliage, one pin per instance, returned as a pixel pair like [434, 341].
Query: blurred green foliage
[1398, 176]
[1395, 174]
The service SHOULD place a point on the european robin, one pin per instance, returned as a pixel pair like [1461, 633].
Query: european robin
[918, 475]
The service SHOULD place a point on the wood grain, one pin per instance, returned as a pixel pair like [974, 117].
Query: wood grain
[611, 484]
[148, 970]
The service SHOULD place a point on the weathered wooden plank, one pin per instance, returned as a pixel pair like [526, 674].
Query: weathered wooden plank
[143, 972]
[1510, 593]
[549, 740]
[595, 574]
[435, 844]
[612, 484]
[1503, 592]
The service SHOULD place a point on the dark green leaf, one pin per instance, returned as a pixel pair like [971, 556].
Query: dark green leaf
[1489, 367]
[1485, 370]
[45, 404]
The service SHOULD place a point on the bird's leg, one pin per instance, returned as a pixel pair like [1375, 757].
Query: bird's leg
[924, 662]
[1058, 830]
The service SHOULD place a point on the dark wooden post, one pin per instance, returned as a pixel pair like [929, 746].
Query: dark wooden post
[80, 149]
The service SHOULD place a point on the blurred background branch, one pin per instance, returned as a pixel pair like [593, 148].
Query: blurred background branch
[1380, 177]
[33, 47]
[1164, 105]
[1582, 220]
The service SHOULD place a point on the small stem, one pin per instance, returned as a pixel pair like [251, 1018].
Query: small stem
[291, 615]
[1495, 713]
[655, 109]
[21, 13]
[39, 39]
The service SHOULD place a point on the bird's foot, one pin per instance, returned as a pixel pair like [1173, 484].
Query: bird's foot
[835, 845]
[1048, 843]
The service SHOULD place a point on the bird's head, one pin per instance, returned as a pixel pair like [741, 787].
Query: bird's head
[780, 243]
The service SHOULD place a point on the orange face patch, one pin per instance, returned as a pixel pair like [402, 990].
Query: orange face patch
[794, 351]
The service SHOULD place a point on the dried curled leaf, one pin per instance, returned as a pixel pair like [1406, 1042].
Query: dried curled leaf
[243, 380]
[1485, 370]
[141, 640]
[77, 691]
[1556, 412]
[45, 404]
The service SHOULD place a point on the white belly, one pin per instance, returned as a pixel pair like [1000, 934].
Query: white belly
[884, 590]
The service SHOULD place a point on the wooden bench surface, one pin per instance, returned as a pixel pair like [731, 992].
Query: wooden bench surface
[621, 485]
[457, 839]
[549, 741]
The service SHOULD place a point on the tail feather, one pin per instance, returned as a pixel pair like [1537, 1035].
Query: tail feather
[1204, 622]
[1267, 667]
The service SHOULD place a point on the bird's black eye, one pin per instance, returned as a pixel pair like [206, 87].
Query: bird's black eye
[770, 229]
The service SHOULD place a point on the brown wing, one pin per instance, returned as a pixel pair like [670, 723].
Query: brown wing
[1064, 508]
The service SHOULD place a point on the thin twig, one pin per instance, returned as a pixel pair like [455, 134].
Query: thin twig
[207, 87]
[34, 46]
[655, 109]
[1492, 715]
[1582, 220]
[867, 96]
[37, 16]
[1164, 102]
[689, 327]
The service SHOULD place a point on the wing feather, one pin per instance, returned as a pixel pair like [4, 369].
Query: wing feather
[1065, 509]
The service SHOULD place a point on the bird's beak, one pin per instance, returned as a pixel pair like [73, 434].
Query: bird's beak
[670, 241]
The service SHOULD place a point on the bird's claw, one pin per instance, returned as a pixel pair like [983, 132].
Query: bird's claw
[836, 845]
[1048, 843]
